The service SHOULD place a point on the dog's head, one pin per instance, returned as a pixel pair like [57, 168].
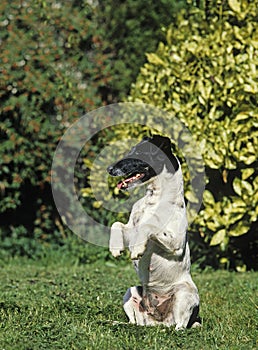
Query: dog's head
[144, 161]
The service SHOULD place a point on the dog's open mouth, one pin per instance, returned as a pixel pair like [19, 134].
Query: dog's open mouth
[130, 180]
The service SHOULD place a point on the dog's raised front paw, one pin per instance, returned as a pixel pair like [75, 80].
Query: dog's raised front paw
[137, 251]
[116, 252]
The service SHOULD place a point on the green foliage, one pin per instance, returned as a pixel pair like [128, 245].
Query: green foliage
[206, 75]
[131, 29]
[51, 74]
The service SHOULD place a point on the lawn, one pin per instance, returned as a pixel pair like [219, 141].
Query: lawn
[55, 303]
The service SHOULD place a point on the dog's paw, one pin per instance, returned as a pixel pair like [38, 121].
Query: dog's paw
[137, 251]
[196, 325]
[179, 328]
[116, 252]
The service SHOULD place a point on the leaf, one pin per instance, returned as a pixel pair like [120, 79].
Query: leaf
[224, 260]
[218, 237]
[230, 164]
[246, 173]
[247, 188]
[208, 198]
[248, 160]
[234, 217]
[155, 59]
[191, 197]
[235, 5]
[86, 192]
[213, 226]
[214, 161]
[88, 162]
[242, 116]
[238, 203]
[239, 229]
[97, 204]
[169, 35]
[237, 186]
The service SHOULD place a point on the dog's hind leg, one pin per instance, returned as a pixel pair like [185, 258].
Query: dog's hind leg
[186, 307]
[134, 308]
[116, 241]
[132, 305]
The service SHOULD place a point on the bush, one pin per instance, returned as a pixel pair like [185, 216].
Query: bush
[51, 75]
[206, 74]
[131, 29]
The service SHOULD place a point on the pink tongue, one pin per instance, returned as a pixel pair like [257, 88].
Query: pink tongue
[119, 185]
[123, 184]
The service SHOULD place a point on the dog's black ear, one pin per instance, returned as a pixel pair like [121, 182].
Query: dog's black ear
[164, 144]
[146, 138]
[161, 141]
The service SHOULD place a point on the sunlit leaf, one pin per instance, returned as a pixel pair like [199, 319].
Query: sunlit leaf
[239, 229]
[155, 59]
[208, 198]
[237, 186]
[218, 237]
[235, 5]
[247, 188]
[191, 197]
[246, 173]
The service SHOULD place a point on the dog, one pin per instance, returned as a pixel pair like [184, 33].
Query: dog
[156, 235]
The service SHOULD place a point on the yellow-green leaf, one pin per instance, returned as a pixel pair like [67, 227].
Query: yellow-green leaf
[190, 196]
[239, 229]
[155, 59]
[88, 162]
[213, 226]
[247, 188]
[224, 260]
[97, 204]
[237, 186]
[242, 116]
[208, 198]
[246, 173]
[218, 237]
[235, 5]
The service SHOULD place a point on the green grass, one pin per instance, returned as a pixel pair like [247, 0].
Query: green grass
[57, 304]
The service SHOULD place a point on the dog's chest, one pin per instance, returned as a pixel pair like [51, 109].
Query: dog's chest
[158, 273]
[143, 211]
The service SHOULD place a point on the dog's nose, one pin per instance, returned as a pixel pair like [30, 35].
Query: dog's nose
[109, 169]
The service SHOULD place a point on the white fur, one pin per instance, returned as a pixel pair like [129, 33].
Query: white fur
[156, 235]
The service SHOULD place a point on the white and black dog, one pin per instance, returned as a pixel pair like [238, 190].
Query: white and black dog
[156, 235]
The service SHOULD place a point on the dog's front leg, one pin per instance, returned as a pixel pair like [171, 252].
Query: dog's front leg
[116, 241]
[170, 242]
[137, 250]
[139, 240]
[173, 237]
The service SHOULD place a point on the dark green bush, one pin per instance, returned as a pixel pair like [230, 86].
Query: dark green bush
[51, 74]
[206, 75]
[132, 28]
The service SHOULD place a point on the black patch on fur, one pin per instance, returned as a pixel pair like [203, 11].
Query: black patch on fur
[147, 158]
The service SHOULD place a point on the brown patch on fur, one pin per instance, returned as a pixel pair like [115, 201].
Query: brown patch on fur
[158, 307]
